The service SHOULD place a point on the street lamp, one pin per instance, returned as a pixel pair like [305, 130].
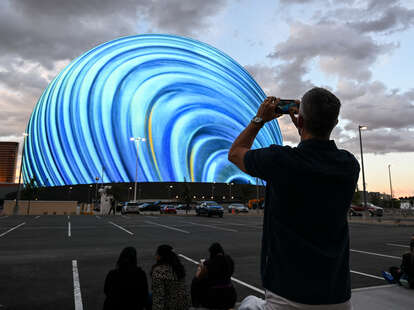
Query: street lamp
[89, 193]
[70, 191]
[137, 140]
[16, 207]
[170, 190]
[230, 185]
[362, 163]
[212, 189]
[96, 188]
[129, 193]
[389, 174]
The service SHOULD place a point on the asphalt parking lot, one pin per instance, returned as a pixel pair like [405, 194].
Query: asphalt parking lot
[60, 262]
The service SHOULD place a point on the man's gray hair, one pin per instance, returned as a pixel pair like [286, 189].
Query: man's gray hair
[320, 109]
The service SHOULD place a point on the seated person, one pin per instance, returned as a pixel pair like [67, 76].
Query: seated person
[211, 287]
[126, 287]
[169, 290]
[406, 272]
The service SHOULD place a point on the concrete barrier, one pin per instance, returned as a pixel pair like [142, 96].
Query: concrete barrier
[40, 207]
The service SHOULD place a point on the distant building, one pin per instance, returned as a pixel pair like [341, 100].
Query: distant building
[8, 161]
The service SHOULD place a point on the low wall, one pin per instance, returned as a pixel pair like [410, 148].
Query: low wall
[39, 207]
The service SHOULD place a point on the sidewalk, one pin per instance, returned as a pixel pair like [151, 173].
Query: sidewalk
[387, 297]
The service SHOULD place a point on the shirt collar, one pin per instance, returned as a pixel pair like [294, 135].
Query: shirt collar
[316, 143]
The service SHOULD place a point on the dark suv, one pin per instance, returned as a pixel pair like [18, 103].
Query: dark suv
[210, 208]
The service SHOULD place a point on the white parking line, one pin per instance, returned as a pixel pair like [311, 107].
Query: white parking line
[372, 287]
[212, 226]
[37, 217]
[11, 229]
[3, 217]
[120, 227]
[76, 287]
[98, 217]
[69, 231]
[168, 227]
[239, 224]
[367, 275]
[376, 254]
[234, 279]
[399, 245]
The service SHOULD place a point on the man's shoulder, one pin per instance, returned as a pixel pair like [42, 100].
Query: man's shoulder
[349, 156]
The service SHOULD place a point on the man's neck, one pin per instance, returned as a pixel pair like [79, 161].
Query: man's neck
[307, 136]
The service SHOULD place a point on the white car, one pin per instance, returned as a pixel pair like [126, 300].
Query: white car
[238, 208]
[130, 207]
[374, 210]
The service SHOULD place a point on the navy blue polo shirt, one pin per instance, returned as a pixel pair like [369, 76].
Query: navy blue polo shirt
[305, 242]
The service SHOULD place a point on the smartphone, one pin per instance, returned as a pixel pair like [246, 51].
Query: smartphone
[285, 104]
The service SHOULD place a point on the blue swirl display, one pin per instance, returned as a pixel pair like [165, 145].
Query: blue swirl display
[186, 98]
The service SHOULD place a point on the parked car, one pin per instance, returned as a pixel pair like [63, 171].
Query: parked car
[355, 210]
[130, 207]
[209, 208]
[238, 208]
[358, 208]
[375, 210]
[183, 207]
[150, 206]
[168, 209]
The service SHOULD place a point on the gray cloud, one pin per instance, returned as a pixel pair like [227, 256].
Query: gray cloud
[340, 49]
[382, 16]
[38, 38]
[44, 31]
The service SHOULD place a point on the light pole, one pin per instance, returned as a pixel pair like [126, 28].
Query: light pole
[129, 193]
[170, 190]
[96, 188]
[70, 191]
[389, 174]
[137, 140]
[16, 206]
[362, 164]
[230, 185]
[89, 194]
[212, 190]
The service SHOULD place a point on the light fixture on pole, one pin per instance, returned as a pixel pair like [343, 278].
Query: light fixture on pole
[389, 174]
[137, 140]
[16, 206]
[362, 164]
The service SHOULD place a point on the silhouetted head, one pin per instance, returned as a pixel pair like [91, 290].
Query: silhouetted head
[318, 113]
[166, 256]
[127, 258]
[215, 249]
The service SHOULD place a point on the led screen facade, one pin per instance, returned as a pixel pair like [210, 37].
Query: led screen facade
[188, 100]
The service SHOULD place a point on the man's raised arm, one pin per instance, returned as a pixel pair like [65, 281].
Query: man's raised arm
[243, 143]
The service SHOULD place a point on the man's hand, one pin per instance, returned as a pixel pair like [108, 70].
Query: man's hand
[267, 110]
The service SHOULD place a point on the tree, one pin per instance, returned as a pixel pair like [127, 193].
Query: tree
[30, 192]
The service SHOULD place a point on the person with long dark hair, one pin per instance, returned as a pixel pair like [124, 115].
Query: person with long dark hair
[169, 290]
[212, 287]
[126, 286]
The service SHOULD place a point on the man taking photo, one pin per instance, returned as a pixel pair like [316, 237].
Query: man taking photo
[309, 188]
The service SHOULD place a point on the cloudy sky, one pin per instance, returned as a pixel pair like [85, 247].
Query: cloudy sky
[361, 50]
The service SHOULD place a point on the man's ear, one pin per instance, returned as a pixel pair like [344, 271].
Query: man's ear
[300, 121]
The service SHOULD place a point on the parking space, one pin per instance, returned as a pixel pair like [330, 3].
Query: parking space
[36, 265]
